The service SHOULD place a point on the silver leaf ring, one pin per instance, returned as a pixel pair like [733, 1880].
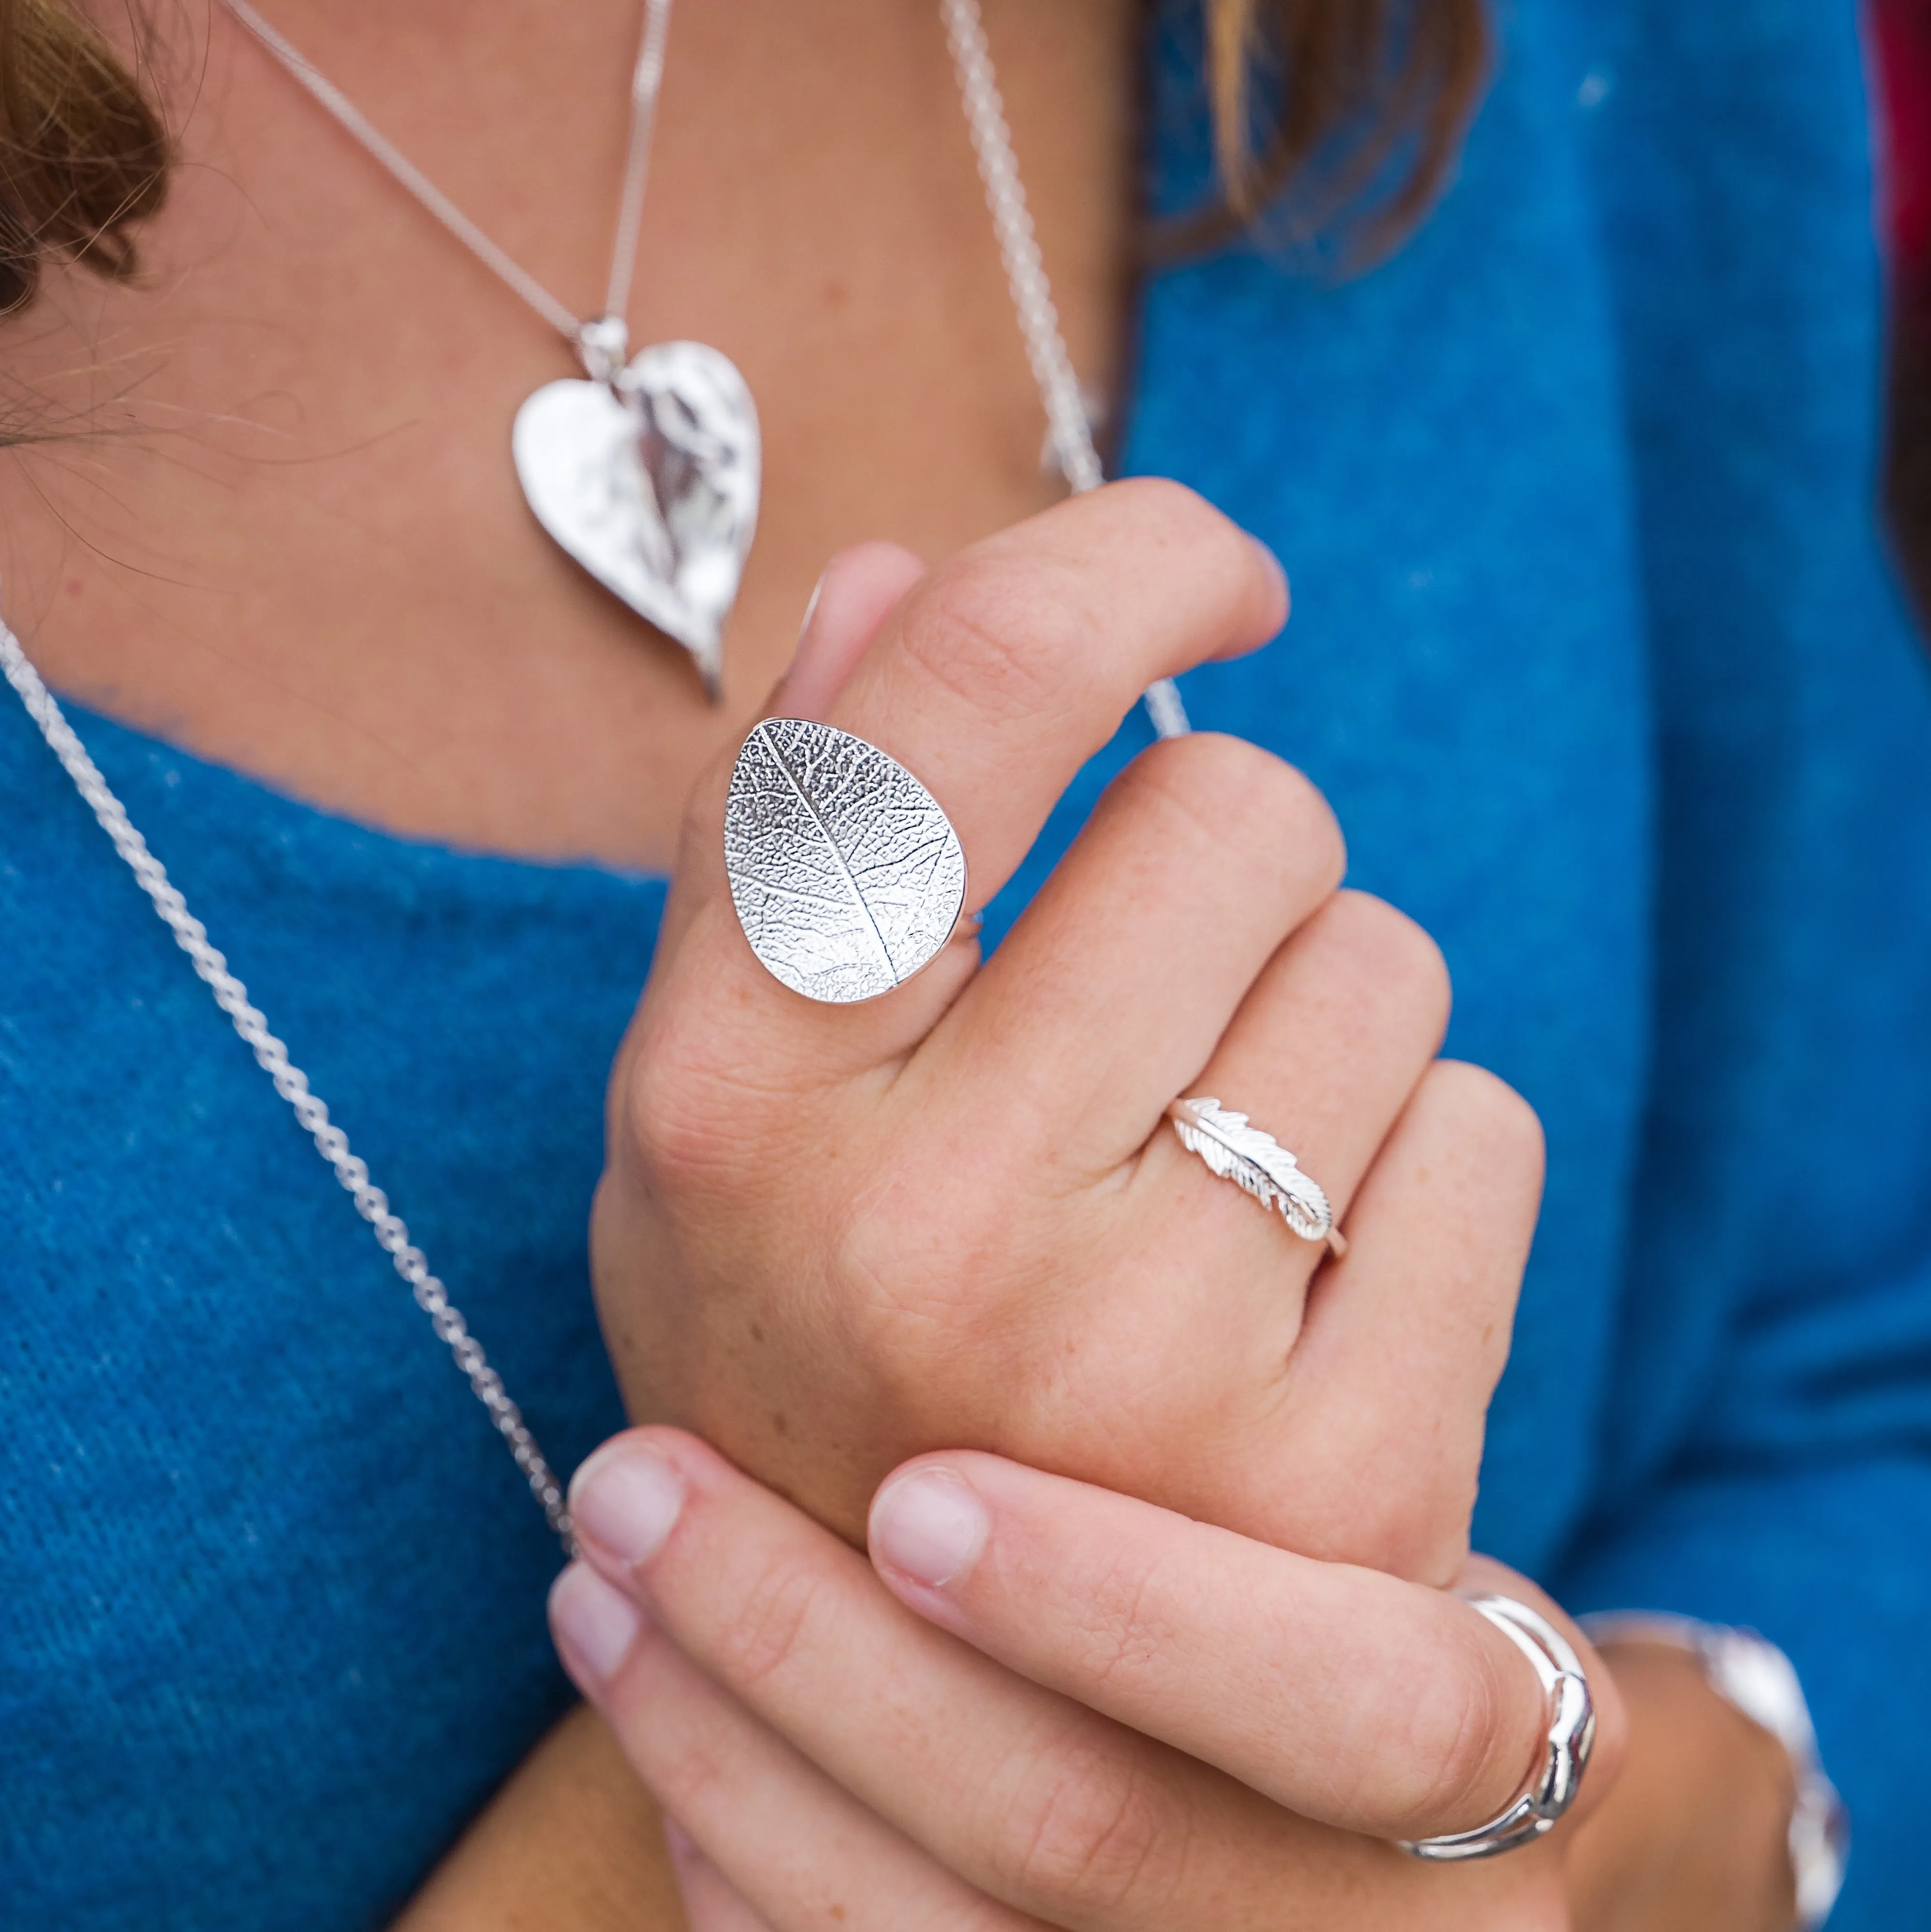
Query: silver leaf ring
[1250, 1157]
[847, 875]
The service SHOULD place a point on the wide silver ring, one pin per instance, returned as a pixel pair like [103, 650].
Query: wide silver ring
[847, 875]
[1556, 1775]
[1250, 1157]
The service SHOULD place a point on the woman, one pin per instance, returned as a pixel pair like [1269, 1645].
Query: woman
[1595, 656]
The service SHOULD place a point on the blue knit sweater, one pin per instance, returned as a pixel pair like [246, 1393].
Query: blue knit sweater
[1594, 649]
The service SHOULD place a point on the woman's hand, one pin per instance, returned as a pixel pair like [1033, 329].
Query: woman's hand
[828, 1238]
[1150, 1725]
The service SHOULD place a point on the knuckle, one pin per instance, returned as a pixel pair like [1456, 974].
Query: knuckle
[1088, 1829]
[1394, 953]
[769, 1626]
[999, 633]
[1499, 1127]
[1246, 799]
[694, 1110]
[671, 1131]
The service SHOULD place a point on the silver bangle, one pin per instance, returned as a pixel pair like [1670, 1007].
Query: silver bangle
[1752, 1676]
[1557, 1775]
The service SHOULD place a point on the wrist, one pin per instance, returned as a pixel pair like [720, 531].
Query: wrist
[1694, 1835]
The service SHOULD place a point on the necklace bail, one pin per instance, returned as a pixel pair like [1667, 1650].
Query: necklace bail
[602, 346]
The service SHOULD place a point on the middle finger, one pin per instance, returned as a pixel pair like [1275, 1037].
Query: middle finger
[1112, 987]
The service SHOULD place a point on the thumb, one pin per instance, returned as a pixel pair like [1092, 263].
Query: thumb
[860, 588]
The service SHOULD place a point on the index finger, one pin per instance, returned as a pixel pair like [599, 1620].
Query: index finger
[1001, 673]
[1349, 1697]
[996, 677]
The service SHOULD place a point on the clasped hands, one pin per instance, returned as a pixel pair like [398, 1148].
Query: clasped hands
[1165, 1512]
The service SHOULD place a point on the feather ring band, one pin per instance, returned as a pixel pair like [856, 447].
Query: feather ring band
[1258, 1163]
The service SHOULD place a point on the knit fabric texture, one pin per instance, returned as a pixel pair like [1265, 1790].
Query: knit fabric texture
[1596, 651]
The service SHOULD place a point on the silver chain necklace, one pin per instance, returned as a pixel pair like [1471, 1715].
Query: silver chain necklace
[290, 1082]
[601, 344]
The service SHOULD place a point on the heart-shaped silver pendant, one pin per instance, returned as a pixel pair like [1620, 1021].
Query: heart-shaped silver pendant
[649, 480]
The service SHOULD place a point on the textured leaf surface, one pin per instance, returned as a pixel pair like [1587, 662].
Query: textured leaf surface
[654, 491]
[1253, 1159]
[846, 876]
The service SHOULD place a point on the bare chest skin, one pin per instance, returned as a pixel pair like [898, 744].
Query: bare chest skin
[288, 534]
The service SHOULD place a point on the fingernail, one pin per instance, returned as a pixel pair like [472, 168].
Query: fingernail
[930, 1527]
[810, 611]
[1275, 567]
[625, 1499]
[595, 1619]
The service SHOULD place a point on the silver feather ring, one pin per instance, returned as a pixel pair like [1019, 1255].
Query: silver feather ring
[1256, 1163]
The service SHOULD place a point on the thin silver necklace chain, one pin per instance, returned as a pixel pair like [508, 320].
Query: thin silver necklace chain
[291, 1083]
[646, 80]
[1072, 439]
[1032, 292]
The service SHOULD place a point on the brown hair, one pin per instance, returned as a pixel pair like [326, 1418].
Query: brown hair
[1362, 104]
[83, 154]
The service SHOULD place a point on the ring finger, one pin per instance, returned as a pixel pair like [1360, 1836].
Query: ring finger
[1190, 1293]
[1323, 1054]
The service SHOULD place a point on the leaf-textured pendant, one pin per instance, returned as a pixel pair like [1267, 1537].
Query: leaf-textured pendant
[1253, 1159]
[846, 876]
[650, 482]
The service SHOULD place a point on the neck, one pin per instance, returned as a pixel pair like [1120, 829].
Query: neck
[308, 556]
